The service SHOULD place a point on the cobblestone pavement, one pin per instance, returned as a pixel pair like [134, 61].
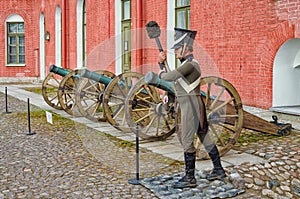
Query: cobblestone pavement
[56, 162]
[279, 176]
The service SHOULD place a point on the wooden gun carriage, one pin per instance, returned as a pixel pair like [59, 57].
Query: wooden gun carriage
[129, 99]
[94, 95]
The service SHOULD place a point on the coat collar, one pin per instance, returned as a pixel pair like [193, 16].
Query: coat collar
[189, 57]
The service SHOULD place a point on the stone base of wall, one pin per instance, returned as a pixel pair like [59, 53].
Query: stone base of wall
[10, 80]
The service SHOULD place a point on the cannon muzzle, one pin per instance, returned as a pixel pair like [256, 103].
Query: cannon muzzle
[58, 70]
[153, 79]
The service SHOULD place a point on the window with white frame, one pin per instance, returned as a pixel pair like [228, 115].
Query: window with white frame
[81, 33]
[183, 13]
[15, 40]
[182, 17]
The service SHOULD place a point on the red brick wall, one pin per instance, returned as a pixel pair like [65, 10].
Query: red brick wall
[101, 35]
[154, 11]
[68, 16]
[242, 38]
[236, 39]
[26, 10]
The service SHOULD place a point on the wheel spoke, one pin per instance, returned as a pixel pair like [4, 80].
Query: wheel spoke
[56, 80]
[51, 99]
[142, 109]
[116, 97]
[228, 116]
[127, 88]
[145, 100]
[57, 103]
[124, 119]
[118, 112]
[144, 117]
[50, 86]
[51, 91]
[92, 107]
[222, 105]
[95, 110]
[226, 127]
[92, 94]
[121, 90]
[166, 122]
[208, 94]
[217, 136]
[68, 92]
[150, 123]
[217, 98]
[157, 126]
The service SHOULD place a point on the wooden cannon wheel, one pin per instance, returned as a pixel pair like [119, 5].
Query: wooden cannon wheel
[157, 122]
[50, 90]
[114, 99]
[224, 113]
[89, 97]
[144, 107]
[66, 92]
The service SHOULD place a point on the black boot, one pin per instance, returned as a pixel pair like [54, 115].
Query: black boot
[218, 171]
[189, 180]
[216, 174]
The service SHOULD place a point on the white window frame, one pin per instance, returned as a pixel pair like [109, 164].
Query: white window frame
[58, 36]
[80, 36]
[170, 32]
[13, 18]
[118, 38]
[42, 47]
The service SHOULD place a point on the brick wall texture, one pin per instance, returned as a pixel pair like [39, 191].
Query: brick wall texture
[237, 40]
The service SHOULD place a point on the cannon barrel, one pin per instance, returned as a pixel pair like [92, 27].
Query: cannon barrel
[153, 79]
[58, 70]
[96, 77]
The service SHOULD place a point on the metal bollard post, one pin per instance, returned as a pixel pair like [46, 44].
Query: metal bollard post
[136, 181]
[6, 106]
[29, 127]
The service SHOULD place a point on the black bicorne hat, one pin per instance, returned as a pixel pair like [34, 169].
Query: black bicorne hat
[183, 36]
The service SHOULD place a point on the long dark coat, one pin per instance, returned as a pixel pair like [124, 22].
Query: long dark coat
[193, 116]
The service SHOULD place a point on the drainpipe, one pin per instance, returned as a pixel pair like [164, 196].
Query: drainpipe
[139, 22]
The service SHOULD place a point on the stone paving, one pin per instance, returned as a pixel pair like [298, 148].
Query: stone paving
[229, 187]
[55, 163]
[70, 160]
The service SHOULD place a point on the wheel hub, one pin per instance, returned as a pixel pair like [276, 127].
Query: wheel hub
[214, 118]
